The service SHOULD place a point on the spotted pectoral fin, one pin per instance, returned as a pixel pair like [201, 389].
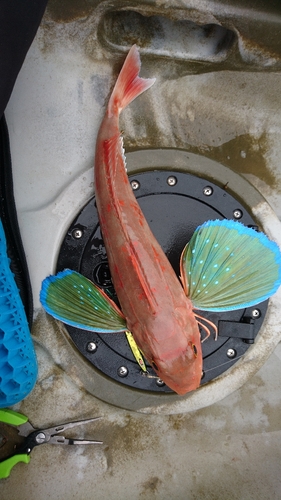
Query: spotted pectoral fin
[228, 266]
[75, 300]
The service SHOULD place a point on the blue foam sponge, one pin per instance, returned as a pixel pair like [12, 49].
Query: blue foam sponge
[18, 366]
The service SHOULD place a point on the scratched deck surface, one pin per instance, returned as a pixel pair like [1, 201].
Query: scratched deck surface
[227, 450]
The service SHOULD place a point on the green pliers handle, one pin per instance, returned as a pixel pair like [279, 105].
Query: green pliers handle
[12, 418]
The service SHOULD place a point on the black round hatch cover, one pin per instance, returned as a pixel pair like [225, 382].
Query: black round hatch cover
[174, 204]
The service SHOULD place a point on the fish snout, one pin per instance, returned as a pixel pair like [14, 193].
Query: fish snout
[181, 373]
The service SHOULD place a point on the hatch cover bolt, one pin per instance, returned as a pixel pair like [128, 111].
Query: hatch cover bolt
[231, 353]
[122, 371]
[135, 185]
[160, 382]
[92, 347]
[208, 190]
[172, 180]
[256, 313]
[237, 214]
[77, 233]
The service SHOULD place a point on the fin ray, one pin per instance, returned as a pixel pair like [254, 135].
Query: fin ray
[228, 266]
[129, 85]
[75, 300]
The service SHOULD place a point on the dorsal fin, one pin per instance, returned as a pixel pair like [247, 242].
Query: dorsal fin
[143, 280]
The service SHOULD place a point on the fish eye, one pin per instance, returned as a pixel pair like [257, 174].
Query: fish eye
[194, 350]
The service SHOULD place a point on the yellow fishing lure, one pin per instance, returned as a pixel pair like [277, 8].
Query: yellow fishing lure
[135, 350]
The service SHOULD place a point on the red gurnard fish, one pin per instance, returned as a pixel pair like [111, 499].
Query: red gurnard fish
[156, 309]
[220, 267]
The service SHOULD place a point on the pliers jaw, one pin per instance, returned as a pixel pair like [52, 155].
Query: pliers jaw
[35, 437]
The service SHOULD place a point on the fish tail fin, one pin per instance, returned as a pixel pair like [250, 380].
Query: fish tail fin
[128, 85]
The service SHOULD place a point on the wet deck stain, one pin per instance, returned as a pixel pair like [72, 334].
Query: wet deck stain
[150, 487]
[66, 11]
[245, 155]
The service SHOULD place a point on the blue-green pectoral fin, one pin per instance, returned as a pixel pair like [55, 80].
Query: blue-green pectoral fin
[75, 300]
[228, 266]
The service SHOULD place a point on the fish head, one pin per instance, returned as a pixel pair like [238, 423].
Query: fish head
[181, 373]
[174, 351]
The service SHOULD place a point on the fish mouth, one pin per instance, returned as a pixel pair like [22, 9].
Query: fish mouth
[182, 388]
[177, 387]
[182, 377]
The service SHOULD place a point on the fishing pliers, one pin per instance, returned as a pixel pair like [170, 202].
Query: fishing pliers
[14, 449]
